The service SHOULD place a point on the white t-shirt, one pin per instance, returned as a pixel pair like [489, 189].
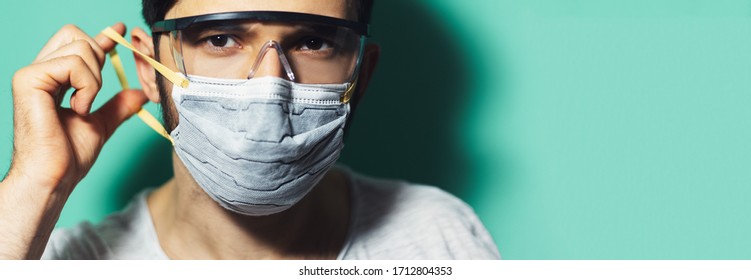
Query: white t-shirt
[390, 220]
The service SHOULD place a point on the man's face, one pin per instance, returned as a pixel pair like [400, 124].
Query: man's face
[344, 9]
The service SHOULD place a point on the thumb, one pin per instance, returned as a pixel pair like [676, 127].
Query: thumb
[118, 109]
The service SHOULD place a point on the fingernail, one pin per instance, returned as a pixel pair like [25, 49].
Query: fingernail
[73, 102]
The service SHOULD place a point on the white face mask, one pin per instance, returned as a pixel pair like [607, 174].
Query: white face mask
[258, 146]
[255, 146]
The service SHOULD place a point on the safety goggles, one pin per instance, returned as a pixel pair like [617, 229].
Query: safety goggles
[309, 49]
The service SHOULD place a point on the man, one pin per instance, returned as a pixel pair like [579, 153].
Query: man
[256, 96]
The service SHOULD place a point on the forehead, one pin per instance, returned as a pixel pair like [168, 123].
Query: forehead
[333, 8]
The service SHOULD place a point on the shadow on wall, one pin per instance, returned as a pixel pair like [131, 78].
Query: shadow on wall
[154, 168]
[407, 126]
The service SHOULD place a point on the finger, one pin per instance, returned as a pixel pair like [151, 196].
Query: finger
[84, 50]
[70, 33]
[70, 70]
[118, 109]
[104, 42]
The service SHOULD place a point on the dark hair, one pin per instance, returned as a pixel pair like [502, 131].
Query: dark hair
[155, 10]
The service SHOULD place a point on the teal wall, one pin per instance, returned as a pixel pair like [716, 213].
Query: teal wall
[581, 129]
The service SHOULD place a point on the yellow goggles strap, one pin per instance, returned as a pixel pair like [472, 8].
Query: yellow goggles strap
[166, 72]
[173, 77]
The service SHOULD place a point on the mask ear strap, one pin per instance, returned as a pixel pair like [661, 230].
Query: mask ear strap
[144, 115]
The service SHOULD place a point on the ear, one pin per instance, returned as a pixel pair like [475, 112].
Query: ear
[371, 54]
[146, 73]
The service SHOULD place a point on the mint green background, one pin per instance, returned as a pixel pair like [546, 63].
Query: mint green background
[580, 129]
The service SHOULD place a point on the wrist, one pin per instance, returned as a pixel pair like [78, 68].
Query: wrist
[39, 186]
[23, 191]
[27, 216]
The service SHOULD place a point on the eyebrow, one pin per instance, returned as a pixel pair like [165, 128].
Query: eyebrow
[231, 28]
[234, 27]
[321, 30]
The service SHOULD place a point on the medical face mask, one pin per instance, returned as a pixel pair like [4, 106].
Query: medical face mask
[258, 146]
[255, 146]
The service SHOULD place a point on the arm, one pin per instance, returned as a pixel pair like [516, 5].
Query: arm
[55, 147]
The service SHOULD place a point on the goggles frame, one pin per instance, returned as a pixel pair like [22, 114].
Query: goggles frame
[184, 22]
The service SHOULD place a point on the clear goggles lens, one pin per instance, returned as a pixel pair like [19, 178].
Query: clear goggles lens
[309, 53]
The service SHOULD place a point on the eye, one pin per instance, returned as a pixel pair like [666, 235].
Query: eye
[221, 41]
[220, 45]
[315, 44]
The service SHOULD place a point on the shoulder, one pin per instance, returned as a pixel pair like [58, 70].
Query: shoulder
[400, 220]
[122, 235]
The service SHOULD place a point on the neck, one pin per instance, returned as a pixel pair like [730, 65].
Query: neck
[190, 225]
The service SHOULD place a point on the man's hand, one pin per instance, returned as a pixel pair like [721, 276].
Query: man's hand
[55, 147]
